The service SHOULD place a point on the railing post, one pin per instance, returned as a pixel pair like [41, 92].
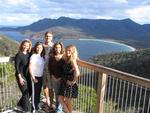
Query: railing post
[100, 92]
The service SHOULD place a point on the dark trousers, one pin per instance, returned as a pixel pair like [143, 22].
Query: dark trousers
[36, 91]
[26, 93]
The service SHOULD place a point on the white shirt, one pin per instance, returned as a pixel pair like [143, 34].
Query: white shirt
[37, 65]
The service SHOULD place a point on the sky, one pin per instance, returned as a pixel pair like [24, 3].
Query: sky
[25, 12]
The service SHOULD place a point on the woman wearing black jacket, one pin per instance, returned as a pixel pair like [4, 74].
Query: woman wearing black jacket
[22, 74]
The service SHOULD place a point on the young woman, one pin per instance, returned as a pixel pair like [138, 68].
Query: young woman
[47, 83]
[22, 76]
[36, 66]
[68, 88]
[55, 69]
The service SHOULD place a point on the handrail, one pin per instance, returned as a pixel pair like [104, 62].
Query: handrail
[6, 59]
[116, 73]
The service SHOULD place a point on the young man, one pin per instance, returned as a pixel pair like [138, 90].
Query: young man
[47, 87]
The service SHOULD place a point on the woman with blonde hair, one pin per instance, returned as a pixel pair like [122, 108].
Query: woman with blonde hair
[69, 88]
[22, 74]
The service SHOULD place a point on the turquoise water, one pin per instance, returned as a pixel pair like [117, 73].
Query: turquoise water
[86, 47]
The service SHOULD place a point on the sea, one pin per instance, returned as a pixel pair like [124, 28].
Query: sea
[86, 47]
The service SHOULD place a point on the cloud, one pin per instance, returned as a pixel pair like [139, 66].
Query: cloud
[18, 12]
[140, 14]
[14, 2]
[28, 11]
[82, 9]
[13, 6]
[121, 1]
[20, 19]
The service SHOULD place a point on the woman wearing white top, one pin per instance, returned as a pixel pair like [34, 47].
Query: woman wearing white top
[36, 66]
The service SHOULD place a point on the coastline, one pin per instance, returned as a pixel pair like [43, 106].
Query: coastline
[111, 41]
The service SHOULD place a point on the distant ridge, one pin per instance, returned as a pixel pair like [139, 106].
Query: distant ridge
[124, 30]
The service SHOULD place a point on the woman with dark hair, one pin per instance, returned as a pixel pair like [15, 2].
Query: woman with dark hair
[22, 76]
[55, 69]
[36, 66]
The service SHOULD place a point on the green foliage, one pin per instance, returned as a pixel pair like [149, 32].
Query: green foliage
[137, 62]
[110, 107]
[7, 46]
[7, 72]
[86, 100]
[9, 91]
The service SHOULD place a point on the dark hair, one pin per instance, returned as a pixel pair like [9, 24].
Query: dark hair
[62, 48]
[35, 46]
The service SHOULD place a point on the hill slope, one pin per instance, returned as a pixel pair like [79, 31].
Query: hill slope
[7, 46]
[137, 62]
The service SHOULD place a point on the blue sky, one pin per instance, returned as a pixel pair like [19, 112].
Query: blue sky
[25, 12]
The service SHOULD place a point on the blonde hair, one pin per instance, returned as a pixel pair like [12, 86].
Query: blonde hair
[74, 53]
[22, 43]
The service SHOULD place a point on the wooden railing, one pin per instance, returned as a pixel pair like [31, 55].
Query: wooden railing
[101, 90]
[117, 91]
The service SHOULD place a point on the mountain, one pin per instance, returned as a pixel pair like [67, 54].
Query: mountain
[125, 30]
[99, 28]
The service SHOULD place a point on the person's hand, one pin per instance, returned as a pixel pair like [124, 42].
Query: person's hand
[34, 80]
[70, 82]
[21, 81]
[48, 101]
[55, 79]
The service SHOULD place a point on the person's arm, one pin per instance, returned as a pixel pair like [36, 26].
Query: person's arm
[18, 71]
[76, 73]
[31, 71]
[76, 70]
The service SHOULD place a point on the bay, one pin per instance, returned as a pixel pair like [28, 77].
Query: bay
[86, 47]
[91, 47]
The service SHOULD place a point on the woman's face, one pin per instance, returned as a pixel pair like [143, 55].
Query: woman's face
[25, 47]
[68, 52]
[58, 49]
[39, 49]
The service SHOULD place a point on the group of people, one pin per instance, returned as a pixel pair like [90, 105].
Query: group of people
[49, 66]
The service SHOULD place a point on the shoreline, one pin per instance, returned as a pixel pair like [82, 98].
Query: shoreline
[111, 41]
